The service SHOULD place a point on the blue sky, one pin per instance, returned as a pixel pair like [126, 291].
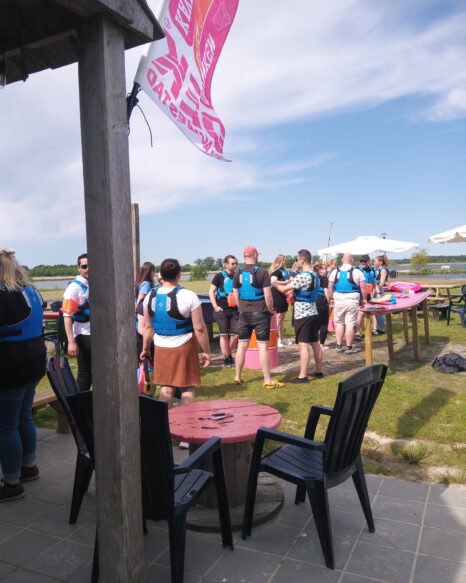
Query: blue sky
[352, 113]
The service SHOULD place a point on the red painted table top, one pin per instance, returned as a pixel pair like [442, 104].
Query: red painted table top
[194, 423]
[403, 302]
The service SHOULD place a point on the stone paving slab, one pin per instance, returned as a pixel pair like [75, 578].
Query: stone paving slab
[419, 535]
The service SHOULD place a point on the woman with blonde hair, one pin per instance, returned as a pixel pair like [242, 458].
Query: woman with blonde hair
[22, 365]
[278, 272]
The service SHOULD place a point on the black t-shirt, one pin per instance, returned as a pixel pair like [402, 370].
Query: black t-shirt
[261, 281]
[20, 362]
[321, 299]
[218, 281]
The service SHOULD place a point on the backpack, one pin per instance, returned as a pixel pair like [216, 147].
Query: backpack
[449, 363]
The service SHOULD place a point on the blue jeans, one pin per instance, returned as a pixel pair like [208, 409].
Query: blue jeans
[17, 430]
[380, 318]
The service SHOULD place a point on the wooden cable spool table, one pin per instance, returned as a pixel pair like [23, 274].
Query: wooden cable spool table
[236, 423]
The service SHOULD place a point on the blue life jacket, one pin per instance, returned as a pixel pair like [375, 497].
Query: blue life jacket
[285, 273]
[29, 328]
[152, 286]
[344, 282]
[377, 273]
[83, 314]
[321, 291]
[369, 276]
[166, 318]
[227, 287]
[247, 289]
[310, 294]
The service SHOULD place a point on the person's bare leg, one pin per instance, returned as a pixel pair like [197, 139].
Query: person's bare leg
[187, 396]
[318, 358]
[233, 343]
[339, 333]
[239, 358]
[166, 395]
[359, 325]
[304, 359]
[224, 345]
[281, 325]
[349, 335]
[264, 361]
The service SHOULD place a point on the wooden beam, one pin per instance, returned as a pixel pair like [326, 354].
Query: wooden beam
[104, 132]
[368, 338]
[135, 239]
[425, 315]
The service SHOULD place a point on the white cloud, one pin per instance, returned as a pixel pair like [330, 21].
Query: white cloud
[282, 63]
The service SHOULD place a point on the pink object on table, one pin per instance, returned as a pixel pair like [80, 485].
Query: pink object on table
[403, 302]
[198, 422]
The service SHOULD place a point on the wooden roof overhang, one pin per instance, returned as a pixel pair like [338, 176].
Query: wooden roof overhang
[42, 34]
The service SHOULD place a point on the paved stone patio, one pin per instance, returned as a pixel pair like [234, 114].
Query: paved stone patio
[420, 535]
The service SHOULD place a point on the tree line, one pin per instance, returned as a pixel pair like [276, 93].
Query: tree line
[203, 266]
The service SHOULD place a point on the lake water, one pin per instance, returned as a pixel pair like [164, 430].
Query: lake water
[62, 283]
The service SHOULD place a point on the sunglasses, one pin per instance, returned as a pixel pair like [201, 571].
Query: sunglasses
[83, 266]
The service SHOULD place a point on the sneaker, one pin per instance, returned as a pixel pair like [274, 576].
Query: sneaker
[183, 445]
[239, 382]
[226, 362]
[324, 347]
[317, 375]
[274, 385]
[298, 380]
[231, 359]
[29, 474]
[8, 493]
[339, 348]
[351, 350]
[280, 344]
[358, 337]
[378, 332]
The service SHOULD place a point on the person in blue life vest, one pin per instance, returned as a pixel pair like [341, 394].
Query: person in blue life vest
[251, 286]
[279, 273]
[225, 309]
[381, 278]
[306, 319]
[143, 285]
[368, 271]
[347, 288]
[174, 323]
[22, 365]
[76, 317]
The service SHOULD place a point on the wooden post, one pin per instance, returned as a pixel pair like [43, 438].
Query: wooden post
[388, 320]
[135, 239]
[104, 133]
[368, 338]
[405, 326]
[415, 334]
[425, 315]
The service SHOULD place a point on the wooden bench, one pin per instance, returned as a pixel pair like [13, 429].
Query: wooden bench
[439, 311]
[47, 397]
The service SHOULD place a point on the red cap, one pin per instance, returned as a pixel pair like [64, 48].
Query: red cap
[250, 251]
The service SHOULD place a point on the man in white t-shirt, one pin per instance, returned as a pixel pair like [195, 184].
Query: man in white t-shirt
[76, 317]
[347, 287]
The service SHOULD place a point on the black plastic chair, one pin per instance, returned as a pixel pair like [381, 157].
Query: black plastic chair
[168, 491]
[460, 309]
[64, 384]
[315, 467]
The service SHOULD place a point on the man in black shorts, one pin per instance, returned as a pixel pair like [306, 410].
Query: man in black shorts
[305, 286]
[251, 286]
[225, 308]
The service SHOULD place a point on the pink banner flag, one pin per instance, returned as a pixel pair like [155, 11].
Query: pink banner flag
[176, 72]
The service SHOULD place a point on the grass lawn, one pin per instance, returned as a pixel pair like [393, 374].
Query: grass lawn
[417, 429]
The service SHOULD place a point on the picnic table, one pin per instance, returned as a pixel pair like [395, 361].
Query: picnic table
[438, 288]
[406, 304]
[236, 423]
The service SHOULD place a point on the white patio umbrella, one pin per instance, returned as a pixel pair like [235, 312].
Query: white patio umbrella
[368, 244]
[457, 235]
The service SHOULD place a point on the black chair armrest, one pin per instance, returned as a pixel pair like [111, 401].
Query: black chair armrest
[313, 419]
[194, 460]
[288, 438]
